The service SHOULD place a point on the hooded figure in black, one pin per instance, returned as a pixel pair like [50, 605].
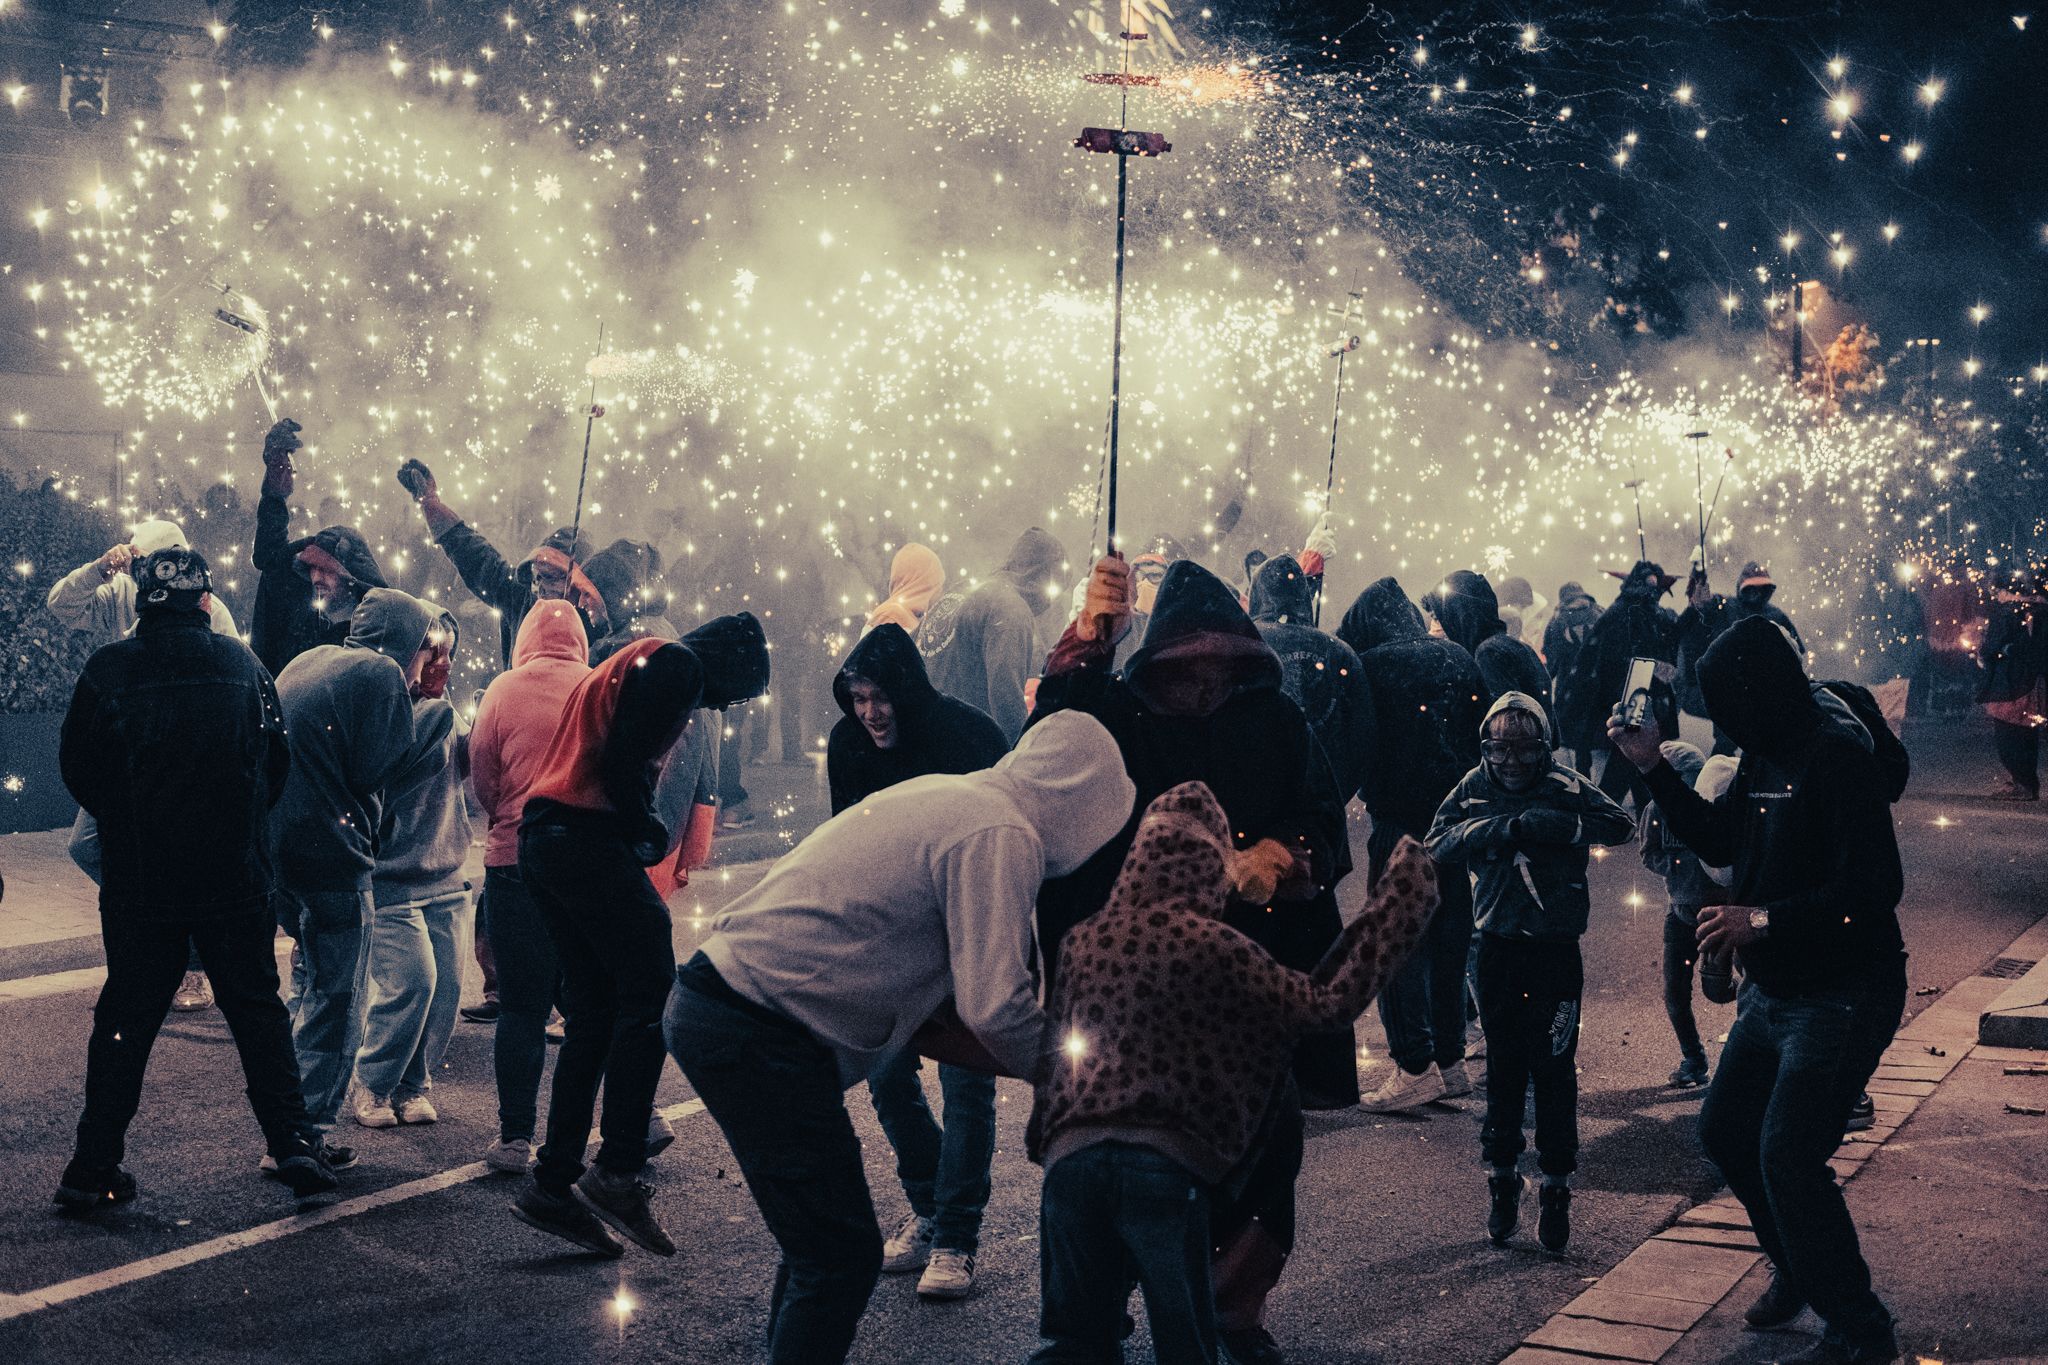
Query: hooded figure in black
[1563, 641]
[983, 645]
[627, 575]
[1636, 626]
[1812, 916]
[1470, 613]
[1201, 701]
[1707, 614]
[307, 587]
[927, 731]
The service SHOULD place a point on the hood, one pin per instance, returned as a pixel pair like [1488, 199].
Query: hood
[1685, 759]
[1067, 777]
[1516, 592]
[1032, 562]
[1521, 701]
[1179, 857]
[887, 657]
[1573, 595]
[1756, 689]
[1647, 581]
[1282, 592]
[155, 534]
[392, 623]
[564, 540]
[916, 578]
[627, 575]
[1381, 615]
[1197, 616]
[551, 630]
[345, 546]
[734, 654]
[1468, 609]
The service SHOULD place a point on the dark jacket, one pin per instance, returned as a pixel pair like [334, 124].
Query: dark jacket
[934, 733]
[627, 575]
[1526, 850]
[1698, 628]
[1318, 672]
[508, 587]
[1428, 700]
[1252, 751]
[286, 623]
[1636, 626]
[1563, 638]
[1806, 824]
[1470, 613]
[982, 646]
[2014, 653]
[175, 744]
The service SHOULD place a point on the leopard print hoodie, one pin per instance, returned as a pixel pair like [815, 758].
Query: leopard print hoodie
[1175, 1029]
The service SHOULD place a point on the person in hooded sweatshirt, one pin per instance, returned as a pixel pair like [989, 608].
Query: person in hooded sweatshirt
[349, 712]
[553, 572]
[1470, 614]
[897, 726]
[847, 951]
[1320, 674]
[1428, 702]
[1812, 919]
[1200, 701]
[982, 646]
[1637, 626]
[1690, 886]
[916, 578]
[176, 745]
[515, 725]
[1143, 1116]
[587, 837]
[627, 575]
[1708, 614]
[1579, 729]
[309, 586]
[1515, 592]
[1521, 823]
[421, 922]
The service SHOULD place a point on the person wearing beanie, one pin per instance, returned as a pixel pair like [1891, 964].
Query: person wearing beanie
[307, 586]
[588, 834]
[983, 645]
[1690, 886]
[175, 743]
[916, 579]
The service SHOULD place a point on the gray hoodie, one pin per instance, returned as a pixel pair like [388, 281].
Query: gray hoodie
[926, 890]
[350, 722]
[425, 835]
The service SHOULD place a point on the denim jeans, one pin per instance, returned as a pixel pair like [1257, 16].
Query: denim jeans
[145, 962]
[328, 993]
[774, 1091]
[944, 1170]
[529, 981]
[1423, 1004]
[617, 949]
[416, 953]
[1112, 1213]
[1790, 1073]
[1529, 993]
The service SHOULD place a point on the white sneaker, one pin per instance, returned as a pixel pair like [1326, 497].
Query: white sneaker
[909, 1247]
[661, 1135]
[195, 992]
[510, 1157]
[1401, 1093]
[417, 1109]
[1457, 1081]
[949, 1276]
[375, 1112]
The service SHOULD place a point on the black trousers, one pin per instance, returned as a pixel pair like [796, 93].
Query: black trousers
[1529, 1006]
[2019, 749]
[1681, 951]
[146, 961]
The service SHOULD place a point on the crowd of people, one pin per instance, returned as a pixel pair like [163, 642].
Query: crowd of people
[1097, 850]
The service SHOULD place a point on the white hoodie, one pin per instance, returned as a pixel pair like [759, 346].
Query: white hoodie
[926, 890]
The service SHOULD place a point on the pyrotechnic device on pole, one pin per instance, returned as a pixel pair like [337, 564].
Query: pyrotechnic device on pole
[244, 314]
[589, 422]
[1344, 347]
[1699, 497]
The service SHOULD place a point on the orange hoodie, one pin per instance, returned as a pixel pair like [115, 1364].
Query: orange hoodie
[518, 718]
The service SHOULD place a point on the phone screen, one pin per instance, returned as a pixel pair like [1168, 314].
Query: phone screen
[1635, 697]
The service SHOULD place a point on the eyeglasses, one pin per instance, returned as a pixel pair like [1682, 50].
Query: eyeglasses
[1499, 751]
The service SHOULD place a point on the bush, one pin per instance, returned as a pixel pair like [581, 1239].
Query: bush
[49, 534]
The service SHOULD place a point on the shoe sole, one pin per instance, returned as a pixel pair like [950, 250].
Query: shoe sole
[945, 1295]
[507, 1168]
[191, 1008]
[906, 1267]
[86, 1201]
[362, 1122]
[305, 1182]
[1408, 1107]
[619, 1225]
[610, 1248]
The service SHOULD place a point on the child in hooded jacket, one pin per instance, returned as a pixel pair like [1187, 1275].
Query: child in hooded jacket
[1689, 887]
[1522, 823]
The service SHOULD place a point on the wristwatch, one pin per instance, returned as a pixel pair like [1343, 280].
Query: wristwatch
[1760, 920]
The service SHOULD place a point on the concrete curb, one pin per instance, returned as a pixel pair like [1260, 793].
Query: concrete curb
[2019, 1016]
[1642, 1308]
[51, 955]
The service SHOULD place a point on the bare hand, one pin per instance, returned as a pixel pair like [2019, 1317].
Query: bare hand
[116, 559]
[1256, 873]
[1106, 608]
[1700, 594]
[1725, 928]
[1641, 745]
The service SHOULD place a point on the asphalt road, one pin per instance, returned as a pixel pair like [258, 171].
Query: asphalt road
[1392, 1263]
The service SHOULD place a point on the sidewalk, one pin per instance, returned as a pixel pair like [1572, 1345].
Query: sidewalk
[1949, 1192]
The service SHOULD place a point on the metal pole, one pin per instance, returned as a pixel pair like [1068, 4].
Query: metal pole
[589, 421]
[1116, 362]
[1798, 330]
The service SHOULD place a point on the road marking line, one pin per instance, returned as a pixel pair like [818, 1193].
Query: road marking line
[88, 979]
[13, 1306]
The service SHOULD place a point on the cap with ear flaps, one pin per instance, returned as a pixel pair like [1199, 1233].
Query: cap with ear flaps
[175, 577]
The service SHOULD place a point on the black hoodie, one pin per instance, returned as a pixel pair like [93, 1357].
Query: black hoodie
[285, 623]
[934, 733]
[1470, 613]
[1252, 751]
[1806, 824]
[1428, 700]
[1636, 626]
[982, 646]
[1318, 672]
[627, 575]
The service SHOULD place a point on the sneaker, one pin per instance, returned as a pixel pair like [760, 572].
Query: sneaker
[661, 1135]
[2013, 791]
[621, 1200]
[85, 1189]
[374, 1111]
[1504, 1213]
[1834, 1350]
[1252, 1346]
[195, 993]
[417, 1109]
[1691, 1074]
[1554, 1217]
[565, 1217]
[909, 1247]
[736, 817]
[1776, 1306]
[332, 1155]
[305, 1174]
[484, 1012]
[1862, 1116]
[1401, 1092]
[949, 1275]
[510, 1156]
[557, 1028]
[1457, 1081]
